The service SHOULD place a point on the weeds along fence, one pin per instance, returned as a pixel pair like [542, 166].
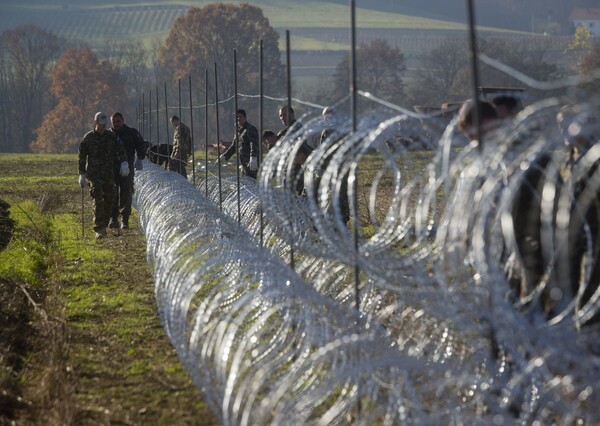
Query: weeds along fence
[255, 284]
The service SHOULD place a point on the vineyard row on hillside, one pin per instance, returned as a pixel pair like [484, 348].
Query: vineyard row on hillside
[122, 22]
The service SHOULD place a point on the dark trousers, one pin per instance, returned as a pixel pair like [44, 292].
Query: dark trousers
[103, 193]
[123, 197]
[248, 172]
[175, 165]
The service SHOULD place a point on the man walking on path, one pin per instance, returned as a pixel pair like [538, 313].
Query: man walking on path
[99, 152]
[133, 143]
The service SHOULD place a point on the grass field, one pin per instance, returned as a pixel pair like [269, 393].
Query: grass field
[81, 341]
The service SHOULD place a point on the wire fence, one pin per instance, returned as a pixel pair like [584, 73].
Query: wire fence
[444, 335]
[401, 275]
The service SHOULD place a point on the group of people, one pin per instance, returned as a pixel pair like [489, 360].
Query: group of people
[108, 159]
[107, 163]
[248, 138]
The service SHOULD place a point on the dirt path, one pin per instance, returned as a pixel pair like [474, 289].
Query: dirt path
[124, 369]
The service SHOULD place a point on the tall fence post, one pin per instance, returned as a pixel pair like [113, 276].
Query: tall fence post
[260, 131]
[143, 117]
[158, 126]
[474, 71]
[237, 138]
[192, 131]
[150, 117]
[355, 228]
[354, 113]
[167, 115]
[289, 107]
[206, 131]
[180, 122]
[218, 139]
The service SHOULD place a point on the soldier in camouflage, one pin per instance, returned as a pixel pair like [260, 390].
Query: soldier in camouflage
[182, 147]
[248, 137]
[99, 152]
[134, 144]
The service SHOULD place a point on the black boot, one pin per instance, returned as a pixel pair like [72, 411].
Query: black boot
[114, 223]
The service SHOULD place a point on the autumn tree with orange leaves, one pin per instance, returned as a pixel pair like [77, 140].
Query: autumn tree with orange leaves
[82, 85]
[207, 36]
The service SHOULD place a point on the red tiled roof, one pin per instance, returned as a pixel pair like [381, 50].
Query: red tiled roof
[585, 14]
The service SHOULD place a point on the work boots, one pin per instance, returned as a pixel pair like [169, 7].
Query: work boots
[125, 224]
[114, 223]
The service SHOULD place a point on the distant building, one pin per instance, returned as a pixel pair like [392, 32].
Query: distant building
[587, 17]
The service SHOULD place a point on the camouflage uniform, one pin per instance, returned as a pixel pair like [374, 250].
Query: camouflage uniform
[99, 156]
[248, 136]
[133, 143]
[182, 148]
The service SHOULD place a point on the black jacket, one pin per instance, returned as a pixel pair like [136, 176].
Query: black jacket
[133, 143]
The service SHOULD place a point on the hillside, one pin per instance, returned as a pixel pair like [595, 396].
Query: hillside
[95, 22]
[509, 14]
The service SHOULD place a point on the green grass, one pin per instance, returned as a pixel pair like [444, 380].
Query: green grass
[100, 347]
[25, 257]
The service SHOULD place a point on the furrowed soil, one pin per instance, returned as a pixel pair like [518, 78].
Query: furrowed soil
[81, 342]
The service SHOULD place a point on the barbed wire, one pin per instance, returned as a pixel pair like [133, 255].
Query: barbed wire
[479, 295]
[232, 97]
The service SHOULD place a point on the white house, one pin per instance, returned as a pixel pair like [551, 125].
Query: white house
[588, 18]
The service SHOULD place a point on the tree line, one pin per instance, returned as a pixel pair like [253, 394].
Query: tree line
[49, 89]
